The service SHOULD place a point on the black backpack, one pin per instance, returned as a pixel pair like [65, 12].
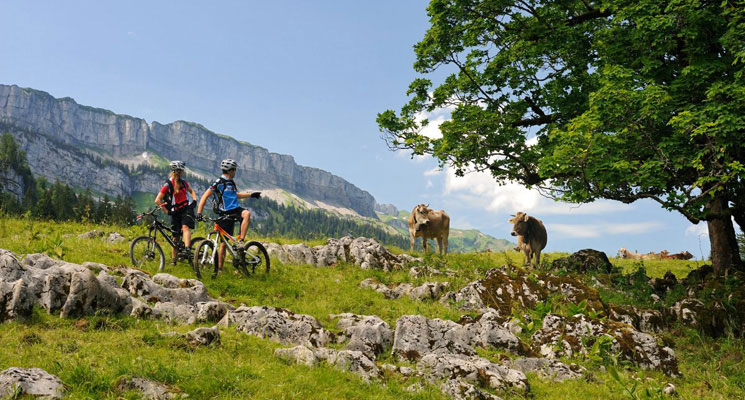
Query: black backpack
[217, 194]
[168, 196]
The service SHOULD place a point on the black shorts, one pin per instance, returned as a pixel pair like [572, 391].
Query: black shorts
[228, 224]
[179, 218]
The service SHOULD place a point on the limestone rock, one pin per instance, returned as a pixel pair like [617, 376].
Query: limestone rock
[357, 363]
[278, 324]
[472, 369]
[115, 237]
[426, 291]
[138, 284]
[460, 390]
[91, 234]
[561, 336]
[584, 261]
[366, 333]
[203, 336]
[549, 368]
[30, 381]
[299, 354]
[148, 389]
[417, 336]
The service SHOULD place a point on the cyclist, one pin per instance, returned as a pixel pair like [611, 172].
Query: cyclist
[226, 195]
[173, 201]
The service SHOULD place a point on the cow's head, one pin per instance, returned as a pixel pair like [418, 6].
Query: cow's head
[421, 216]
[622, 252]
[687, 255]
[519, 223]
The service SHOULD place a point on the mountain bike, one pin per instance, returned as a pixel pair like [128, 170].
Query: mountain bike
[247, 258]
[145, 252]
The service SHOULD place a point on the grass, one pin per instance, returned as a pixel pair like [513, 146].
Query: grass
[89, 356]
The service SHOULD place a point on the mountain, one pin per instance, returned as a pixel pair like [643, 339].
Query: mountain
[89, 147]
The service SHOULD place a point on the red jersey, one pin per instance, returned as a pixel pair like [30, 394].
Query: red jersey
[178, 199]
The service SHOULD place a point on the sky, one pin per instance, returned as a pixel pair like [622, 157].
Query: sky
[305, 78]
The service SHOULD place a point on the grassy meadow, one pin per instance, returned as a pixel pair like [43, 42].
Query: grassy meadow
[92, 353]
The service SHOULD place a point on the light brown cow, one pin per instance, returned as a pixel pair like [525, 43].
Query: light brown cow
[531, 236]
[429, 224]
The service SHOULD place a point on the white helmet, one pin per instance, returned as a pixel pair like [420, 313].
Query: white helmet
[228, 164]
[177, 166]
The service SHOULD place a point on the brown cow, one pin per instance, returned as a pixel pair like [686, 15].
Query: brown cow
[429, 224]
[531, 236]
[679, 256]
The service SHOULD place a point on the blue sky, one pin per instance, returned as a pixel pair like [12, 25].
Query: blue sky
[305, 78]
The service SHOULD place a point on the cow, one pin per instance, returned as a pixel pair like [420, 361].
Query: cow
[531, 236]
[623, 253]
[429, 224]
[679, 256]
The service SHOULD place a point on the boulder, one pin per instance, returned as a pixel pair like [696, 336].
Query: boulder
[417, 336]
[584, 261]
[460, 390]
[472, 369]
[139, 284]
[30, 381]
[115, 237]
[560, 336]
[16, 302]
[490, 330]
[203, 336]
[298, 354]
[426, 291]
[91, 234]
[148, 389]
[278, 324]
[365, 333]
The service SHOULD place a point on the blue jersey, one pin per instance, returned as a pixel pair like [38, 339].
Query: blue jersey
[228, 191]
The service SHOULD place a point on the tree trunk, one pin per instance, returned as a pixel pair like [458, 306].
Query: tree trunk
[724, 251]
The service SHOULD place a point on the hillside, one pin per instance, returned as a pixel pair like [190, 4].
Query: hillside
[93, 349]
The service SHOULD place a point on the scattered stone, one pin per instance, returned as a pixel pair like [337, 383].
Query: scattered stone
[584, 261]
[416, 387]
[366, 333]
[91, 234]
[669, 389]
[148, 389]
[713, 319]
[30, 381]
[389, 368]
[423, 272]
[552, 369]
[357, 363]
[489, 331]
[115, 237]
[298, 354]
[278, 324]
[203, 336]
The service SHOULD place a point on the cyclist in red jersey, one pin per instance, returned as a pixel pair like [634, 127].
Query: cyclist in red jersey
[173, 201]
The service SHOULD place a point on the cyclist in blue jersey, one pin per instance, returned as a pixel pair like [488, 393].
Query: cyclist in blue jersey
[226, 196]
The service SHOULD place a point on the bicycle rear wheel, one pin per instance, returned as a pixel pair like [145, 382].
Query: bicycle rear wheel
[256, 257]
[145, 253]
[204, 258]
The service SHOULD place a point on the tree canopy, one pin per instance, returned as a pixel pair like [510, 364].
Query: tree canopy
[587, 100]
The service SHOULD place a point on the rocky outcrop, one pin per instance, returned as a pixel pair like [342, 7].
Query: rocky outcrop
[365, 252]
[67, 125]
[278, 324]
[35, 382]
[425, 291]
[365, 333]
[472, 369]
[584, 261]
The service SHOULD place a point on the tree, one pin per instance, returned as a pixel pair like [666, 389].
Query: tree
[586, 100]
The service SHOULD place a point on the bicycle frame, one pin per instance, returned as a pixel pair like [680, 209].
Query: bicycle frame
[217, 237]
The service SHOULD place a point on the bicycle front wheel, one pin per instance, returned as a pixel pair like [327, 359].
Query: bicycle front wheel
[257, 258]
[204, 258]
[145, 253]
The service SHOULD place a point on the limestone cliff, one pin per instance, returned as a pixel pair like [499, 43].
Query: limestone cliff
[62, 137]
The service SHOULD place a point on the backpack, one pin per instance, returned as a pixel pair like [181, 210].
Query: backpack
[217, 194]
[168, 196]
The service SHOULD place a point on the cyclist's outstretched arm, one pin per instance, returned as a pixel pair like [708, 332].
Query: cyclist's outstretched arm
[203, 200]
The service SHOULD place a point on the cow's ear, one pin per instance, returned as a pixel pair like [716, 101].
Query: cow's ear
[512, 220]
[525, 218]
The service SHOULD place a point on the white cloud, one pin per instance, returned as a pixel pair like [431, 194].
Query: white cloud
[479, 190]
[700, 229]
[429, 183]
[433, 172]
[435, 118]
[598, 230]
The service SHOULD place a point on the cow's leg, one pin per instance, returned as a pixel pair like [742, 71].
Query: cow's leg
[445, 243]
[526, 251]
[439, 245]
[411, 239]
[538, 259]
[424, 244]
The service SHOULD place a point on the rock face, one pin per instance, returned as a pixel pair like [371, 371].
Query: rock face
[67, 127]
[30, 381]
